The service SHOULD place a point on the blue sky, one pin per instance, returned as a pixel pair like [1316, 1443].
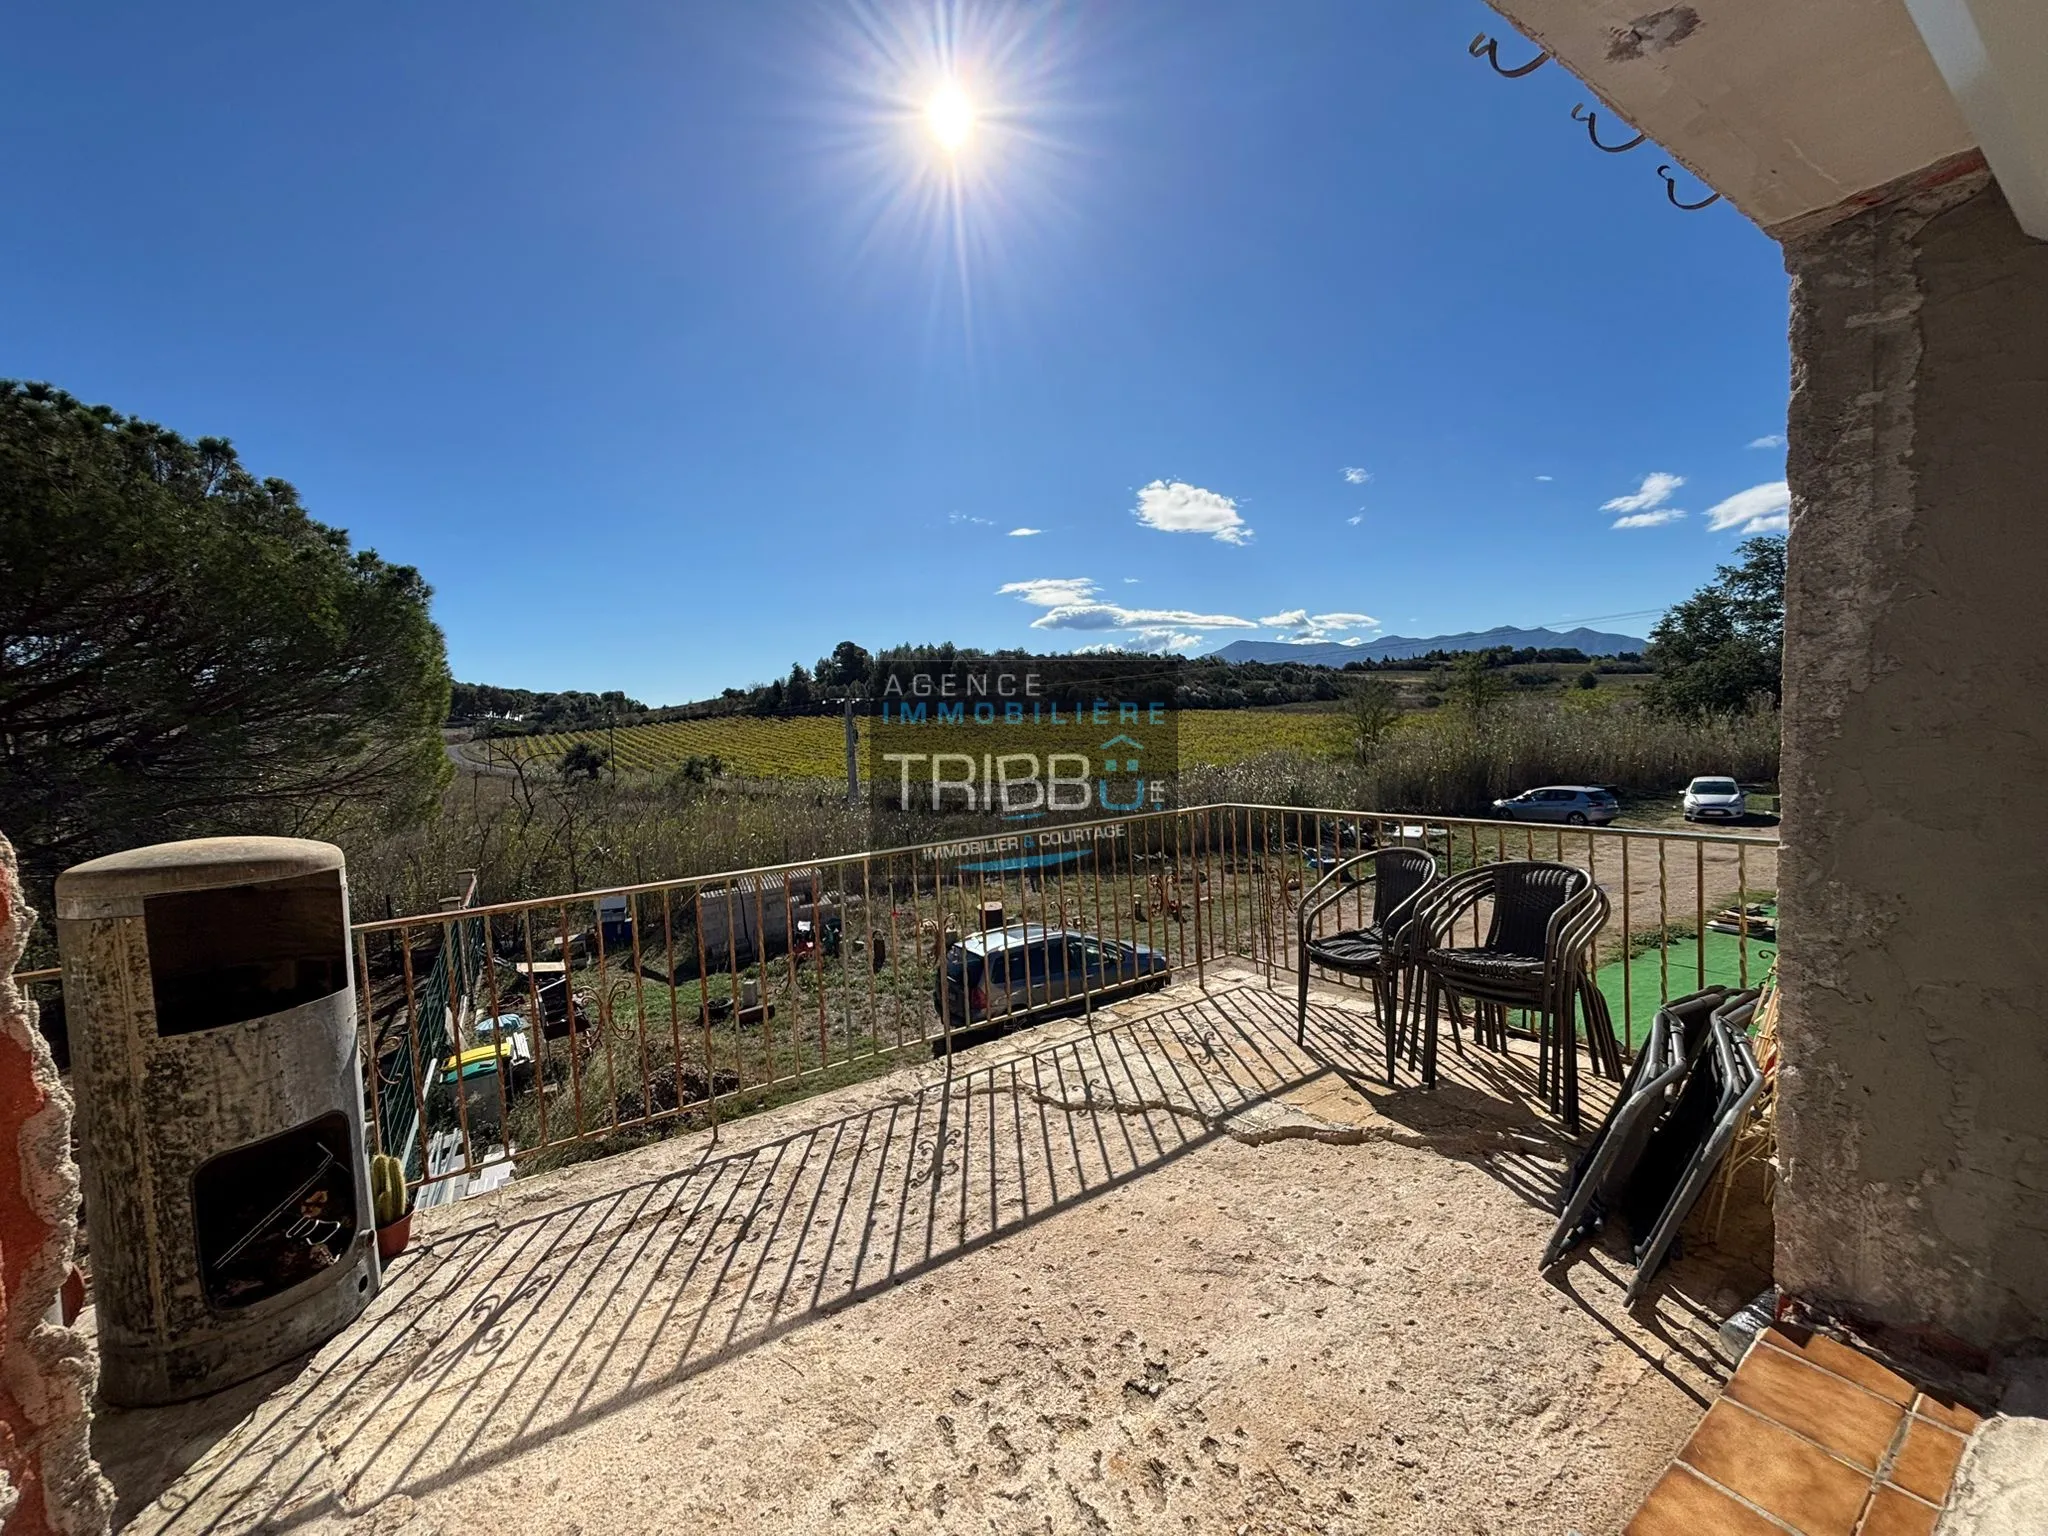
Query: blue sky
[672, 346]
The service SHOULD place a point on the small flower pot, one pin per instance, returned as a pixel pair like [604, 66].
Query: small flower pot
[391, 1240]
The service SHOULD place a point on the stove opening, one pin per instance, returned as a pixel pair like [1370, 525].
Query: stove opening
[276, 1212]
[238, 952]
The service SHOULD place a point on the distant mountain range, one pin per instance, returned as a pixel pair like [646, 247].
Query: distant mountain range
[1399, 647]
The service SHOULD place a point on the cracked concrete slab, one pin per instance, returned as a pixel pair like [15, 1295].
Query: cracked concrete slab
[1171, 1271]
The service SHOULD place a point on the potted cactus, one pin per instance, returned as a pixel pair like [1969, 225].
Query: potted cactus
[393, 1204]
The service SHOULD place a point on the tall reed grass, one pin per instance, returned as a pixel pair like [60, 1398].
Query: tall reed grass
[540, 837]
[1450, 764]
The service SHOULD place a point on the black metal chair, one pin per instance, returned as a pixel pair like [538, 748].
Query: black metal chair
[1534, 957]
[1379, 950]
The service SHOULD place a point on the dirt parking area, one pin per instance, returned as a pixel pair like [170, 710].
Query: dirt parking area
[1651, 880]
[1170, 1271]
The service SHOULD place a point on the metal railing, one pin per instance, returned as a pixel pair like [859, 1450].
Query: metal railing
[551, 1028]
[431, 1023]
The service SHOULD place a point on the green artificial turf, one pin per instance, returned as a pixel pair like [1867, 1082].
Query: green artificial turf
[1678, 969]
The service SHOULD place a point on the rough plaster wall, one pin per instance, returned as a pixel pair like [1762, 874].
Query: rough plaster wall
[1915, 1112]
[46, 1372]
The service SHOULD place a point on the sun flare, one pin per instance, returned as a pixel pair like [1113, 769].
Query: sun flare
[947, 123]
[950, 116]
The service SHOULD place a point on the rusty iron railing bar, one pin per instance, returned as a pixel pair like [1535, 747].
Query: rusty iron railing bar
[1222, 856]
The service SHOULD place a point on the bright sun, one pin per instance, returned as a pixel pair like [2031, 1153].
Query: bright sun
[951, 117]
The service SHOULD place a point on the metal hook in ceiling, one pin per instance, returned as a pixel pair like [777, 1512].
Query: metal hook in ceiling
[1671, 191]
[1488, 48]
[1592, 122]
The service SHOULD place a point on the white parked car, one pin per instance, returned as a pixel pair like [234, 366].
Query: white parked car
[1712, 799]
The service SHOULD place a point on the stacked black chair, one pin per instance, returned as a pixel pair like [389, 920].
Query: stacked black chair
[1535, 957]
[1380, 950]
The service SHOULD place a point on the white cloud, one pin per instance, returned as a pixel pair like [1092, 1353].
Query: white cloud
[1303, 627]
[1130, 581]
[1071, 602]
[1355, 519]
[962, 517]
[1163, 640]
[1025, 533]
[1772, 440]
[1546, 477]
[1177, 507]
[1760, 509]
[1086, 615]
[1049, 591]
[1656, 490]
[1354, 476]
[1655, 519]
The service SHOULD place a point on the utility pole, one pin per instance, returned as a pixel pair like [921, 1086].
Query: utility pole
[852, 757]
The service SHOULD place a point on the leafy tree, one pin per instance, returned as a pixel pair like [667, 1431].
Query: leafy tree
[184, 651]
[1723, 647]
[1473, 685]
[701, 768]
[1373, 709]
[1588, 679]
[846, 667]
[582, 761]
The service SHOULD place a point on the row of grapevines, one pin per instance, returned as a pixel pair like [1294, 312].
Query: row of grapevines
[813, 747]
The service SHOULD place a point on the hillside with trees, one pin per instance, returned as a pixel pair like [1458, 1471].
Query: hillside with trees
[1207, 682]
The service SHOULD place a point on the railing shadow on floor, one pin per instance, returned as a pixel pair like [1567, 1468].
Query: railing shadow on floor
[497, 1339]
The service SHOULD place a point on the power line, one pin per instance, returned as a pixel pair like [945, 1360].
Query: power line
[1599, 618]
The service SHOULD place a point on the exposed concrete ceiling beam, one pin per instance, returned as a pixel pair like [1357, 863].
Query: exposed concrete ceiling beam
[1994, 56]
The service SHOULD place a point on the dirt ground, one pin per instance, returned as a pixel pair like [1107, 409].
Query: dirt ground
[1173, 1272]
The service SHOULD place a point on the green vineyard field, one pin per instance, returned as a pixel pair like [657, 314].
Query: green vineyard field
[814, 747]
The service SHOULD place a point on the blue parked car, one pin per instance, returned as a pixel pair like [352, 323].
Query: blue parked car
[1025, 967]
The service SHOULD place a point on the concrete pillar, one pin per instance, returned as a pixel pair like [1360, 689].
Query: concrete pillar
[1914, 1117]
[48, 1482]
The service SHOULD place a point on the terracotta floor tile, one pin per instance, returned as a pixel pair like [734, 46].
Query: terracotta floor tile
[1775, 1470]
[1682, 1505]
[1926, 1463]
[1893, 1514]
[1833, 1355]
[1954, 1415]
[1824, 1408]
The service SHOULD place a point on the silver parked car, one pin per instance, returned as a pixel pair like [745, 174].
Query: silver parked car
[1020, 969]
[1714, 799]
[1581, 805]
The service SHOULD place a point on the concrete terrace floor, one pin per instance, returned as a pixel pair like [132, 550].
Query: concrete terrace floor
[1174, 1273]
